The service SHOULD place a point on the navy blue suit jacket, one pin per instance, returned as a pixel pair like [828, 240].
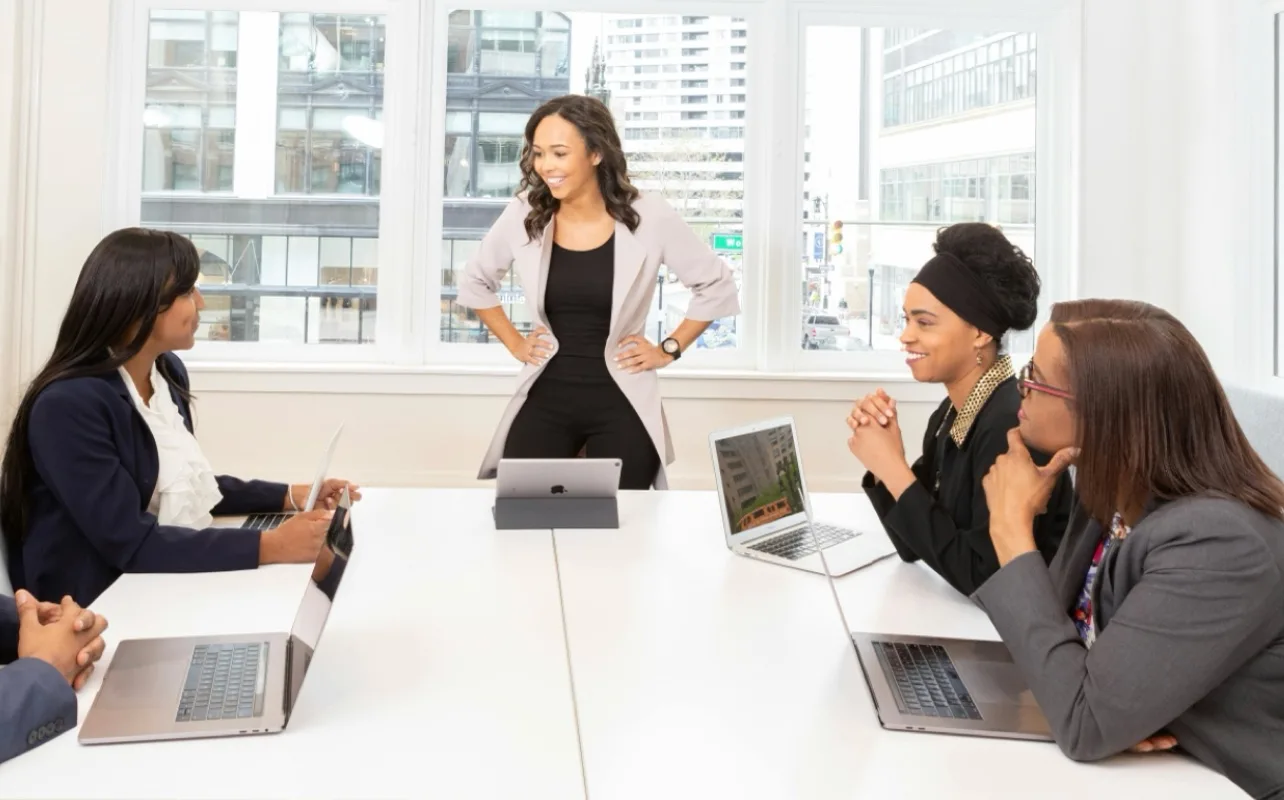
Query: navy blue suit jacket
[97, 467]
[36, 702]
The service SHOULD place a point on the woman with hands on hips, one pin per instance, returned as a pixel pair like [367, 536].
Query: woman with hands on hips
[587, 247]
[977, 287]
[1160, 623]
[102, 474]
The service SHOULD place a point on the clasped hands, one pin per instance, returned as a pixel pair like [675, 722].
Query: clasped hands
[63, 635]
[636, 353]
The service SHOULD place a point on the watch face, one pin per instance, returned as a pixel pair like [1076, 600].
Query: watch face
[670, 346]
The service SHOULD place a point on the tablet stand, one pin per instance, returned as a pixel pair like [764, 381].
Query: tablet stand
[528, 513]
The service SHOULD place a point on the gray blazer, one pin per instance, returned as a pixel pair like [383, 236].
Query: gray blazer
[662, 238]
[1189, 611]
[36, 703]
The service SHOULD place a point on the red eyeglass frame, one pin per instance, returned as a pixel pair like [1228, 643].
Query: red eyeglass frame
[1026, 384]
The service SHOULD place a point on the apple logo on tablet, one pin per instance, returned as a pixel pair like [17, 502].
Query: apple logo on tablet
[558, 489]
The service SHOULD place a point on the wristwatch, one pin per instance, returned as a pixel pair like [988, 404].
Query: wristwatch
[672, 347]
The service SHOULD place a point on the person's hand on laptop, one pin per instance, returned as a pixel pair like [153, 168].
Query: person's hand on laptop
[63, 635]
[297, 540]
[327, 497]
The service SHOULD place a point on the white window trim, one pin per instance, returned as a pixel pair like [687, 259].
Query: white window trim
[394, 335]
[767, 351]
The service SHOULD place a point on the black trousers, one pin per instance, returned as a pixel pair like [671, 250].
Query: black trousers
[576, 405]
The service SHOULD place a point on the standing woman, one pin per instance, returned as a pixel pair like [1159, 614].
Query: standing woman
[102, 474]
[587, 247]
[975, 289]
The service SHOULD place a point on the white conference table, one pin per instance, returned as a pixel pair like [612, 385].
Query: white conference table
[442, 672]
[698, 673]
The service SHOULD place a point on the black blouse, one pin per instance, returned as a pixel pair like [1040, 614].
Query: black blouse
[942, 518]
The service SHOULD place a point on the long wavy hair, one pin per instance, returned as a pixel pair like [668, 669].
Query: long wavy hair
[594, 122]
[129, 279]
[1154, 421]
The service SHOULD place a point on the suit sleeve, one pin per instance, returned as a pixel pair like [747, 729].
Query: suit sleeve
[964, 556]
[36, 703]
[485, 271]
[714, 294]
[1198, 613]
[882, 499]
[249, 497]
[75, 453]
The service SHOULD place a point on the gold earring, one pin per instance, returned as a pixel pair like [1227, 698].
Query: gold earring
[979, 360]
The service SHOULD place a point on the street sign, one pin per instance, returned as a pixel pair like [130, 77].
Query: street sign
[728, 242]
[818, 246]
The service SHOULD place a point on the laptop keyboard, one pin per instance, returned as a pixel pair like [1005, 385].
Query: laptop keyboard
[265, 522]
[925, 681]
[224, 681]
[798, 544]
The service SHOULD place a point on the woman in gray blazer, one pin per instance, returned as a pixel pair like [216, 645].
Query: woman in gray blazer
[1161, 618]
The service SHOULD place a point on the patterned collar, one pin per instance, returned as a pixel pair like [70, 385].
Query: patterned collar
[998, 373]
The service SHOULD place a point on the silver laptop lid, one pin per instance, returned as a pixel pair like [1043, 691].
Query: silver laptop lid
[318, 597]
[758, 473]
[322, 470]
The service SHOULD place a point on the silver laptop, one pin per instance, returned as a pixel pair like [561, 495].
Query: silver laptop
[237, 685]
[758, 472]
[938, 685]
[263, 522]
[569, 477]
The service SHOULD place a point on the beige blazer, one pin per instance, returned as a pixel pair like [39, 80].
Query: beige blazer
[662, 237]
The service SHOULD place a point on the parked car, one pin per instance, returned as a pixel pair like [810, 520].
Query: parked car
[821, 331]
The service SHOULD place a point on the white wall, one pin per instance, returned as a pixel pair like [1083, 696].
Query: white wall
[1159, 218]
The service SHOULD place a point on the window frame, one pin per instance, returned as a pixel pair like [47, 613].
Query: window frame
[122, 206]
[1058, 60]
[412, 194]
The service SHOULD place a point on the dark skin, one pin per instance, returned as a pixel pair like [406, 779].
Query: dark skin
[567, 167]
[1017, 489]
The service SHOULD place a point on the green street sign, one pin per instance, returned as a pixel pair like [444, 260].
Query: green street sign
[728, 242]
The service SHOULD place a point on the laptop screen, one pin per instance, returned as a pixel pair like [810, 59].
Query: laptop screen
[761, 478]
[327, 574]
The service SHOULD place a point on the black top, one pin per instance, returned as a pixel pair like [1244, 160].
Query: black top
[949, 527]
[577, 302]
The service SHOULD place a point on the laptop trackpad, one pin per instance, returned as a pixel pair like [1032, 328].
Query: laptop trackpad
[995, 682]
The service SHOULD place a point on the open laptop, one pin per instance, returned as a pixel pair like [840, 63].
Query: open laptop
[939, 685]
[204, 686]
[267, 521]
[758, 471]
[568, 477]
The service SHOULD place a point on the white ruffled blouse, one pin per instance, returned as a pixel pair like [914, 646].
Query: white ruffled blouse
[186, 489]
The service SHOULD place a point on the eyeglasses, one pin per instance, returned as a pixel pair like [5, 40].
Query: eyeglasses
[1026, 384]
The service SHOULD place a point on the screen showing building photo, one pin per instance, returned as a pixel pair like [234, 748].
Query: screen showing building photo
[760, 477]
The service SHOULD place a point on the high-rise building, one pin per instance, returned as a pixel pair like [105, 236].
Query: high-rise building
[678, 91]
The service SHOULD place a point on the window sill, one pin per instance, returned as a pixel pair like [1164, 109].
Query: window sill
[210, 377]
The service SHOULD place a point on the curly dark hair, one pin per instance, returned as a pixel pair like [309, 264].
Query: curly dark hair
[594, 122]
[1003, 267]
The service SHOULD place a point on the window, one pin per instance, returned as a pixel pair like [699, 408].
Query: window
[271, 134]
[949, 73]
[865, 243]
[251, 151]
[698, 169]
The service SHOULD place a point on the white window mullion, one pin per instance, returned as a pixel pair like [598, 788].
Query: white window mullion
[254, 174]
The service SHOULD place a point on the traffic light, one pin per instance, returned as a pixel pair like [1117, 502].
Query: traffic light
[836, 236]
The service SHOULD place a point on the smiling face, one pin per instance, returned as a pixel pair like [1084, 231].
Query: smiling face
[562, 159]
[940, 346]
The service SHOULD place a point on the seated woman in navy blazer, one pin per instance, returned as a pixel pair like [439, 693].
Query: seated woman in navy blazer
[102, 474]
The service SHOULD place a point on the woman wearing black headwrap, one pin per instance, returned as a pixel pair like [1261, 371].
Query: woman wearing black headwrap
[977, 287]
